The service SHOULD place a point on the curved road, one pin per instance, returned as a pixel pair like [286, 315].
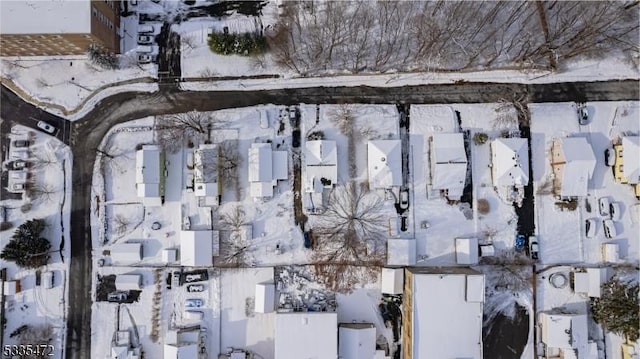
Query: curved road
[85, 134]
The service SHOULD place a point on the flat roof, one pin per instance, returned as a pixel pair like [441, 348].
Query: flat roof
[306, 335]
[401, 252]
[45, 17]
[447, 317]
[357, 342]
[126, 252]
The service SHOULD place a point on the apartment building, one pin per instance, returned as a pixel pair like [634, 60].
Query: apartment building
[61, 27]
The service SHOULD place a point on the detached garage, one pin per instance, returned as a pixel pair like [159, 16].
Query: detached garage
[128, 282]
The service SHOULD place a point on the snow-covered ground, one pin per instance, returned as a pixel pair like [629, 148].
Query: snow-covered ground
[36, 305]
[562, 233]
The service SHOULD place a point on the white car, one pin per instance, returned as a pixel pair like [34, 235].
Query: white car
[144, 39]
[610, 157]
[46, 127]
[609, 228]
[144, 58]
[615, 211]
[404, 199]
[603, 203]
[590, 227]
[193, 303]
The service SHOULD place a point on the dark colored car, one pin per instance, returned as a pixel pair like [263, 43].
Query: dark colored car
[520, 242]
[307, 240]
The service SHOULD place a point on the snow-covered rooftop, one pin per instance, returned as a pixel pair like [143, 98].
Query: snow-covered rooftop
[565, 331]
[180, 351]
[265, 167]
[510, 161]
[447, 325]
[196, 247]
[573, 164]
[306, 335]
[148, 175]
[126, 252]
[392, 281]
[401, 252]
[45, 17]
[384, 163]
[357, 341]
[590, 282]
[128, 281]
[265, 297]
[631, 158]
[205, 159]
[466, 251]
[449, 163]
[321, 159]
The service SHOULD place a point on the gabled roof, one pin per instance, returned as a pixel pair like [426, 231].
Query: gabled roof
[565, 331]
[574, 161]
[265, 298]
[384, 163]
[205, 160]
[510, 161]
[306, 335]
[467, 251]
[148, 175]
[357, 341]
[321, 153]
[180, 351]
[196, 247]
[449, 163]
[126, 252]
[631, 158]
[590, 282]
[260, 163]
[128, 281]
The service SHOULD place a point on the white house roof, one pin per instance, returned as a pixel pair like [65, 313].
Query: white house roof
[148, 175]
[401, 252]
[321, 158]
[447, 326]
[205, 189]
[306, 335]
[128, 281]
[610, 252]
[392, 280]
[119, 352]
[384, 163]
[590, 282]
[169, 255]
[280, 165]
[631, 158]
[196, 248]
[565, 331]
[205, 169]
[45, 17]
[260, 163]
[180, 351]
[466, 251]
[449, 163]
[265, 298]
[126, 252]
[261, 189]
[510, 161]
[579, 164]
[356, 341]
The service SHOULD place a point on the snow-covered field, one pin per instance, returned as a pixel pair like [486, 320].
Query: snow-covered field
[35, 305]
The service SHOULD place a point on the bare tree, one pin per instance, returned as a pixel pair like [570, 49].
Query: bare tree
[36, 335]
[235, 248]
[121, 224]
[110, 157]
[229, 160]
[41, 192]
[193, 127]
[350, 233]
[42, 159]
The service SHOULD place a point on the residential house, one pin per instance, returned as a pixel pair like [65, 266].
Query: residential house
[627, 166]
[265, 298]
[573, 163]
[401, 252]
[197, 248]
[305, 335]
[446, 325]
[121, 347]
[448, 164]
[128, 282]
[384, 158]
[150, 175]
[356, 341]
[206, 175]
[60, 27]
[266, 167]
[467, 251]
[320, 171]
[589, 282]
[510, 167]
[181, 344]
[126, 253]
[565, 334]
[392, 281]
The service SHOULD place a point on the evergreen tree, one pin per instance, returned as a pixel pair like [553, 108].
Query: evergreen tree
[617, 308]
[26, 247]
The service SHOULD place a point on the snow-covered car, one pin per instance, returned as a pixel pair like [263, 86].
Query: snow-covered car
[144, 39]
[18, 164]
[46, 127]
[609, 228]
[590, 227]
[603, 204]
[404, 199]
[195, 288]
[193, 303]
[610, 157]
[18, 187]
[533, 248]
[117, 296]
[193, 277]
[615, 211]
[186, 223]
[20, 143]
[520, 242]
[583, 115]
[144, 58]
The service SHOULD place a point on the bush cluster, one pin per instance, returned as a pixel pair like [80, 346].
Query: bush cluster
[102, 58]
[246, 44]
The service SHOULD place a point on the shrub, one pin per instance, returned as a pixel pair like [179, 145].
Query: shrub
[483, 206]
[480, 138]
[316, 135]
[5, 225]
[246, 44]
[102, 58]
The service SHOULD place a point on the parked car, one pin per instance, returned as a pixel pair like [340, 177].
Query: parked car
[20, 143]
[47, 279]
[145, 29]
[610, 157]
[404, 199]
[590, 228]
[145, 39]
[195, 288]
[609, 228]
[18, 187]
[533, 248]
[46, 127]
[603, 203]
[195, 315]
[144, 58]
[615, 211]
[186, 222]
[193, 278]
[117, 296]
[583, 115]
[18, 164]
[193, 303]
[520, 242]
[307, 240]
